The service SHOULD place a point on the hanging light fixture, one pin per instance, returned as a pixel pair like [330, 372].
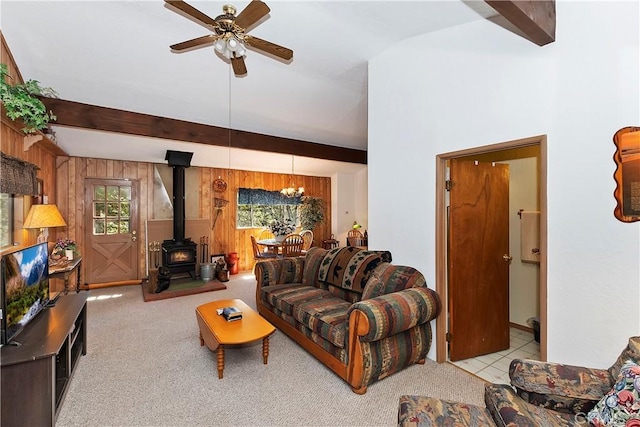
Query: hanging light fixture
[291, 191]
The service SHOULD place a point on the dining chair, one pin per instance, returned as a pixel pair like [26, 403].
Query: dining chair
[292, 246]
[266, 234]
[355, 238]
[354, 233]
[307, 236]
[260, 254]
[330, 243]
[357, 241]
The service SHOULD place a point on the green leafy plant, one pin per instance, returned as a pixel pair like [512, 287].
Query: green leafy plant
[281, 227]
[21, 102]
[64, 245]
[311, 212]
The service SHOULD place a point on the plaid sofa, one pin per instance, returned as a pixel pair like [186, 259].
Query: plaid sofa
[360, 315]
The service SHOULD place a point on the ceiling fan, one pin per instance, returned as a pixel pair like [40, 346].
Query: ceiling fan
[229, 36]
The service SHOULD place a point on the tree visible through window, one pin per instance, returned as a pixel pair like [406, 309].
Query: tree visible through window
[258, 208]
[111, 209]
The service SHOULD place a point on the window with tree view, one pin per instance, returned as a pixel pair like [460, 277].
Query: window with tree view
[111, 209]
[258, 208]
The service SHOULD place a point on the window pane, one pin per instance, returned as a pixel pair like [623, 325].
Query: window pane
[124, 210]
[124, 227]
[98, 226]
[291, 212]
[112, 227]
[244, 216]
[125, 193]
[113, 192]
[98, 209]
[99, 192]
[112, 209]
[6, 219]
[260, 207]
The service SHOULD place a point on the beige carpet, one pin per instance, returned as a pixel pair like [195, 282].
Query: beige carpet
[145, 367]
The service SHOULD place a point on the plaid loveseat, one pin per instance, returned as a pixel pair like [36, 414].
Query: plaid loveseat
[353, 310]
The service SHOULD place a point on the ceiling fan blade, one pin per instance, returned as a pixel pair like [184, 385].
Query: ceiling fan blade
[268, 47]
[239, 67]
[252, 14]
[193, 12]
[194, 42]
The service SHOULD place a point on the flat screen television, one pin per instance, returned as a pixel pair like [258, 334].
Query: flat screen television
[25, 288]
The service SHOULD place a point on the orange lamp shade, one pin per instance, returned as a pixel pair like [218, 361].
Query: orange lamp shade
[44, 216]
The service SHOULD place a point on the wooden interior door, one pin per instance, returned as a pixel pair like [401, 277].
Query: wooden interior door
[478, 282]
[111, 209]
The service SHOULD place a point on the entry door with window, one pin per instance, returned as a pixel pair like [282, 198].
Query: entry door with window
[112, 224]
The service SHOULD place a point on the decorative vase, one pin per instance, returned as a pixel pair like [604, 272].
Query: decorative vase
[280, 238]
[69, 254]
[232, 260]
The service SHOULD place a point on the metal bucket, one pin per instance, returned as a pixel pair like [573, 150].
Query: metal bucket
[206, 271]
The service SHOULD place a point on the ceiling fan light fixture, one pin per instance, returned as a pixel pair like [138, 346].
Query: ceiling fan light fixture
[220, 46]
[229, 38]
[230, 46]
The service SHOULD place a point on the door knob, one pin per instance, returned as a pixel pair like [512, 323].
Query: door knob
[506, 258]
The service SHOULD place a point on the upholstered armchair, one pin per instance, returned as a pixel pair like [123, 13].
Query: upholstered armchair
[575, 389]
[543, 394]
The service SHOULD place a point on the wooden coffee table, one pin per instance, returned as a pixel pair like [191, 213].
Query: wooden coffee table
[216, 332]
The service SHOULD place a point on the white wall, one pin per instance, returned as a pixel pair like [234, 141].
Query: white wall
[478, 84]
[349, 202]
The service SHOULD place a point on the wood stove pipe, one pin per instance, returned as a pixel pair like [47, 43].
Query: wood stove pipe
[179, 160]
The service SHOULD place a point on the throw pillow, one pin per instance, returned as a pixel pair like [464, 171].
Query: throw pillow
[350, 267]
[621, 406]
[630, 353]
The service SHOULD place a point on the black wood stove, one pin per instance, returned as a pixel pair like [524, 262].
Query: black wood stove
[179, 253]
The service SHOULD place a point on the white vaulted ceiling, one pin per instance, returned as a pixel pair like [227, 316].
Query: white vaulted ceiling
[116, 54]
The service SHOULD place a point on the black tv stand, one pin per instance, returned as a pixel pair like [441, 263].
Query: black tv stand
[35, 375]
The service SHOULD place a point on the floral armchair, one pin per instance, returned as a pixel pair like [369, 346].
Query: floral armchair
[544, 394]
[578, 390]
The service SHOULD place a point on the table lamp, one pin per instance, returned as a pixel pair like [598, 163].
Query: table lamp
[44, 216]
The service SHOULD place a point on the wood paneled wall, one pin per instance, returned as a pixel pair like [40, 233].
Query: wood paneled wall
[12, 143]
[63, 179]
[224, 238]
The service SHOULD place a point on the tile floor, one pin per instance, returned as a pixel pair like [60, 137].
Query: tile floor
[494, 367]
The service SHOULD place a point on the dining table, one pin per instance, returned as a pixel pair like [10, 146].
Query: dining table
[273, 246]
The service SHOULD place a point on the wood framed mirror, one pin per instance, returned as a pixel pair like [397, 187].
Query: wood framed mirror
[627, 174]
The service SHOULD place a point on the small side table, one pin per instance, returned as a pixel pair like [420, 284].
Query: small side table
[64, 271]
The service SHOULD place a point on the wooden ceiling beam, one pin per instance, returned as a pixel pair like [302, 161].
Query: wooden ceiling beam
[536, 19]
[87, 116]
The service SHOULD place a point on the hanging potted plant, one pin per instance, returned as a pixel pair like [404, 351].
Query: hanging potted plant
[311, 212]
[21, 102]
